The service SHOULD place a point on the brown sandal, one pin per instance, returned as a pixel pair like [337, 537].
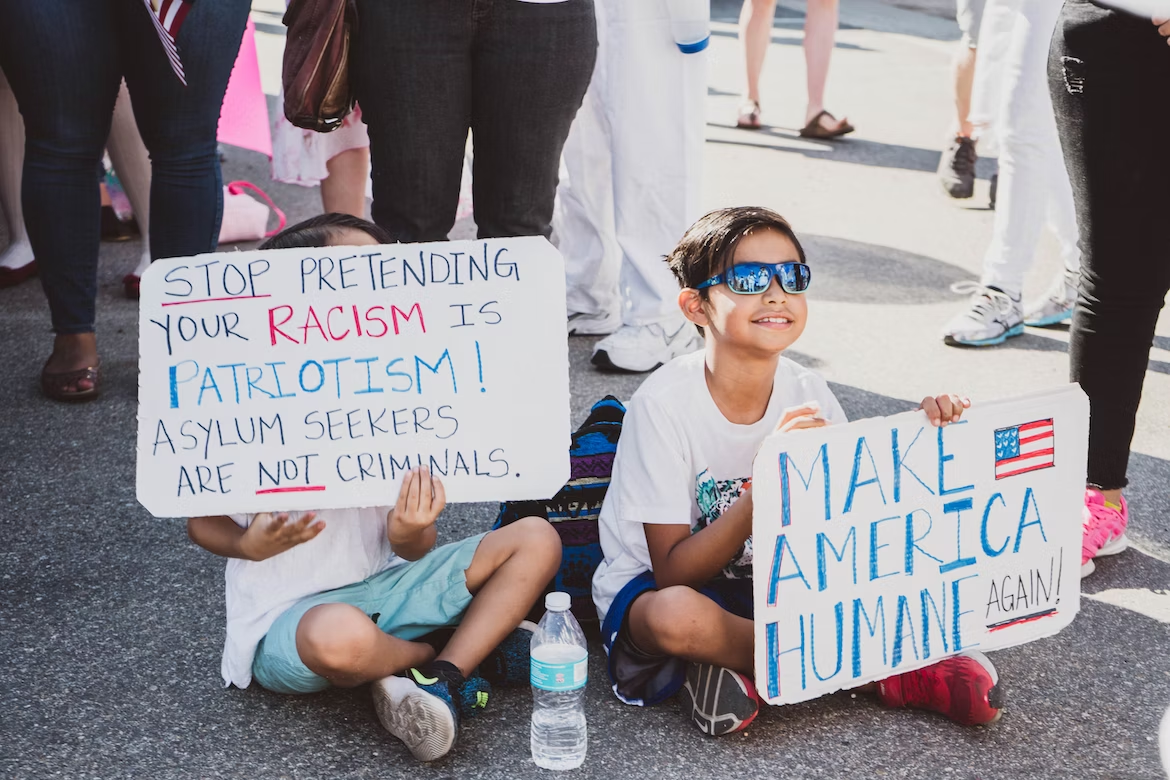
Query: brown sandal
[55, 384]
[749, 116]
[814, 129]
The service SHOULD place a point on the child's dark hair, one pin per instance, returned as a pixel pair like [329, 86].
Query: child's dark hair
[708, 246]
[319, 230]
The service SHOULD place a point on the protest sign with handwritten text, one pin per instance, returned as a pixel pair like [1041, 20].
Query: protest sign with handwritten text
[314, 378]
[886, 545]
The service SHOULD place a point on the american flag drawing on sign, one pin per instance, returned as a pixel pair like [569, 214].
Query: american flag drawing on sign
[168, 16]
[1023, 448]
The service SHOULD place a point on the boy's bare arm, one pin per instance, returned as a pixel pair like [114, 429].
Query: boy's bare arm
[410, 526]
[268, 534]
[682, 558]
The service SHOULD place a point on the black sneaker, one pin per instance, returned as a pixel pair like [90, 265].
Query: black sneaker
[509, 664]
[721, 701]
[956, 169]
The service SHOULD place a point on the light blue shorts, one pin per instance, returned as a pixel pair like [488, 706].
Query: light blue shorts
[406, 601]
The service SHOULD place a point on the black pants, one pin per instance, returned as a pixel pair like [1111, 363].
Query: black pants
[1109, 74]
[513, 72]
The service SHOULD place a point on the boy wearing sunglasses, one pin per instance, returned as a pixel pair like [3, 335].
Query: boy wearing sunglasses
[674, 591]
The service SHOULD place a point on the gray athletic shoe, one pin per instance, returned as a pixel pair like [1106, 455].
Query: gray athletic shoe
[1057, 304]
[427, 722]
[992, 317]
[956, 169]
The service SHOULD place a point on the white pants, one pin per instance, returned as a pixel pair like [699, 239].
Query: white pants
[1011, 80]
[634, 159]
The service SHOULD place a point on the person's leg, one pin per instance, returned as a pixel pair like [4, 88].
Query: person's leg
[969, 15]
[510, 569]
[656, 113]
[66, 102]
[412, 66]
[179, 123]
[19, 252]
[344, 190]
[584, 217]
[682, 622]
[755, 33]
[1028, 150]
[505, 573]
[964, 79]
[1028, 144]
[1056, 304]
[132, 163]
[532, 63]
[820, 32]
[1104, 72]
[956, 166]
[340, 643]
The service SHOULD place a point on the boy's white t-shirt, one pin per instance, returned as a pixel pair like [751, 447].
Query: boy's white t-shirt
[680, 461]
[351, 547]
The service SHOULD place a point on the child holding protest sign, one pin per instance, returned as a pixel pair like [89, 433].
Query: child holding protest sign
[675, 589]
[341, 597]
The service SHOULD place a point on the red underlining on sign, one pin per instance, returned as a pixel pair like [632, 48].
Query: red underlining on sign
[1022, 621]
[304, 489]
[209, 300]
[1044, 465]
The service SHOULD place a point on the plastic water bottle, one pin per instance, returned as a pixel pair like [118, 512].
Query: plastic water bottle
[559, 669]
[690, 24]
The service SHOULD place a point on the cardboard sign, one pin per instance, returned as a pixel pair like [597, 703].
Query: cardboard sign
[886, 545]
[314, 378]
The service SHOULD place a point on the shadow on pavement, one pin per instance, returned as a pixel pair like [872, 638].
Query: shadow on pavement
[858, 151]
[1033, 340]
[853, 272]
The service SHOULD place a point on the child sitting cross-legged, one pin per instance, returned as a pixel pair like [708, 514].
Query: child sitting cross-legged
[674, 590]
[340, 597]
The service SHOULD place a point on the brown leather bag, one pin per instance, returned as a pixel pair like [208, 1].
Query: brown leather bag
[318, 90]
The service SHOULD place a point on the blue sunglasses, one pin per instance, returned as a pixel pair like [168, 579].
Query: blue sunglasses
[754, 278]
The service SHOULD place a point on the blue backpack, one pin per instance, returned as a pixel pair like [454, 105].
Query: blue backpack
[575, 509]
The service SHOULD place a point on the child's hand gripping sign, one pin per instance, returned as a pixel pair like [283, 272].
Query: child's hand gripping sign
[887, 544]
[317, 378]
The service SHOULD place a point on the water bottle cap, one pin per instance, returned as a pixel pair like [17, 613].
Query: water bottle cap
[557, 601]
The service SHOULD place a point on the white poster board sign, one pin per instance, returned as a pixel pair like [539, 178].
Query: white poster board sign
[885, 545]
[314, 378]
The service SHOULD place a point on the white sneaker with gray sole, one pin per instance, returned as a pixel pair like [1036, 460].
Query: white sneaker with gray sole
[641, 348]
[603, 324]
[426, 723]
[992, 317]
[1057, 304]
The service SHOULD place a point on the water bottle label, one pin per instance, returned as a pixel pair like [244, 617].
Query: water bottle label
[559, 677]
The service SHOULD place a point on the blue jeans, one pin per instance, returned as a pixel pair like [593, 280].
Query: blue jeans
[514, 73]
[65, 60]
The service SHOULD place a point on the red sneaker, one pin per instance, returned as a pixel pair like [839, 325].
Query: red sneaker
[722, 701]
[962, 687]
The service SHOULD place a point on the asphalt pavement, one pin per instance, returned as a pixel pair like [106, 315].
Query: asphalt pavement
[112, 622]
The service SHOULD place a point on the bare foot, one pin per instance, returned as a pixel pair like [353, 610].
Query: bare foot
[72, 352]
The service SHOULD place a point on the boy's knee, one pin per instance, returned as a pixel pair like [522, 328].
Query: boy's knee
[535, 536]
[332, 638]
[672, 618]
